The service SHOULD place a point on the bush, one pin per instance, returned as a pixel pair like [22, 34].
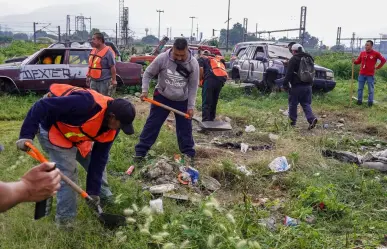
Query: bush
[382, 73]
[340, 63]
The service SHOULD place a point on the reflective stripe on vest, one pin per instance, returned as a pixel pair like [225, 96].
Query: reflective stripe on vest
[95, 62]
[67, 136]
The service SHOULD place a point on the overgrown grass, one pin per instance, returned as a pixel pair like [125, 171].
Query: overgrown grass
[354, 198]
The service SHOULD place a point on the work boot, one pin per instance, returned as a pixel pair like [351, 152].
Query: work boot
[359, 102]
[139, 161]
[313, 124]
[370, 104]
[189, 161]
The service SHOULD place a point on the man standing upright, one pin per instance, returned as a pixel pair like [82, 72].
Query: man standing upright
[368, 60]
[213, 75]
[298, 80]
[177, 85]
[102, 66]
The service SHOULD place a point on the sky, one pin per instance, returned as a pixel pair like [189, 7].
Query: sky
[323, 17]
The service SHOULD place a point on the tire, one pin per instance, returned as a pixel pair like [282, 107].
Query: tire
[6, 86]
[235, 75]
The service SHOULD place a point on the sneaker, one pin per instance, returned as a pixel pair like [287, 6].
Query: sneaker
[370, 104]
[138, 159]
[359, 102]
[313, 124]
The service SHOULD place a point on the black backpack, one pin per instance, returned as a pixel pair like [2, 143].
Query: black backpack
[306, 72]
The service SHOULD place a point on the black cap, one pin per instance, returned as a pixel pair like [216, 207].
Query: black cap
[125, 112]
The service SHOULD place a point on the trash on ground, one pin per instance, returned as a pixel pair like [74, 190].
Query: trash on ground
[227, 119]
[326, 126]
[179, 197]
[280, 164]
[269, 223]
[310, 219]
[290, 222]
[244, 147]
[236, 145]
[160, 189]
[244, 170]
[157, 206]
[324, 116]
[210, 183]
[250, 129]
[373, 160]
[130, 170]
[161, 168]
[1, 147]
[341, 121]
[274, 138]
[190, 174]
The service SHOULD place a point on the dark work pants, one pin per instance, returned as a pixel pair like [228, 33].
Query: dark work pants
[156, 120]
[300, 95]
[210, 96]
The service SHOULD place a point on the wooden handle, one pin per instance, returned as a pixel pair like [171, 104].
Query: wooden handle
[154, 102]
[35, 153]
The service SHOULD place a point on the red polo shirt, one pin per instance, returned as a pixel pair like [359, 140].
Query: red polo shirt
[368, 62]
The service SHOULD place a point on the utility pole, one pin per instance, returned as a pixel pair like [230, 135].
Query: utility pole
[192, 18]
[35, 32]
[256, 30]
[353, 41]
[159, 11]
[228, 26]
[197, 31]
[117, 34]
[168, 32]
[59, 38]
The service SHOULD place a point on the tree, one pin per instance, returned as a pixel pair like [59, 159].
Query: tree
[20, 36]
[93, 31]
[310, 41]
[150, 40]
[338, 48]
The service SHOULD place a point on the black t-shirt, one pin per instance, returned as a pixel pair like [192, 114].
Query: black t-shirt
[208, 75]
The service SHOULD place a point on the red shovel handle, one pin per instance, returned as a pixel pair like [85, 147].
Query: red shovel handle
[154, 102]
[35, 153]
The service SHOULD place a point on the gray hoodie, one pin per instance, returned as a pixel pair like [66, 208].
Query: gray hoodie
[170, 83]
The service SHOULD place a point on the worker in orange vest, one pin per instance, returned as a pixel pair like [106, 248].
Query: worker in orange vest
[76, 124]
[102, 75]
[213, 75]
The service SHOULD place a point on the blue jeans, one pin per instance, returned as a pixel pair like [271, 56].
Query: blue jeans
[362, 80]
[66, 162]
[156, 120]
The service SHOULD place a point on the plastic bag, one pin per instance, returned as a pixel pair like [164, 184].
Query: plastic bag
[280, 164]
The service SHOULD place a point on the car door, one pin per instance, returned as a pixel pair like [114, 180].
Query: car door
[44, 69]
[257, 66]
[245, 64]
[79, 65]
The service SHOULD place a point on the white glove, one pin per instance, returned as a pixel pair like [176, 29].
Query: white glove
[21, 144]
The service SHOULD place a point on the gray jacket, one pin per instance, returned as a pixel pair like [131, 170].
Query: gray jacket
[170, 83]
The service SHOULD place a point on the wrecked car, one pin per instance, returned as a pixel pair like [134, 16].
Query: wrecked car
[264, 64]
[70, 66]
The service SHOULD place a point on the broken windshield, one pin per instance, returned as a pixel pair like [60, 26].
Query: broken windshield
[279, 52]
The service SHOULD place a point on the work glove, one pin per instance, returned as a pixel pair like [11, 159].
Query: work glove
[21, 144]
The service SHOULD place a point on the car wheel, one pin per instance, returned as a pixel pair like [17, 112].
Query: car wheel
[235, 76]
[6, 86]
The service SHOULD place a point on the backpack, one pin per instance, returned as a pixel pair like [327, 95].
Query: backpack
[306, 72]
[218, 69]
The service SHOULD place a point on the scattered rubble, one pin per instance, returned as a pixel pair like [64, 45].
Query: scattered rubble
[269, 223]
[210, 183]
[227, 119]
[274, 138]
[157, 206]
[290, 222]
[160, 189]
[244, 147]
[341, 121]
[250, 129]
[326, 126]
[324, 116]
[243, 169]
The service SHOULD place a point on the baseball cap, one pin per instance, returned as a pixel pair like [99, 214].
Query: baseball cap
[297, 47]
[125, 112]
[206, 52]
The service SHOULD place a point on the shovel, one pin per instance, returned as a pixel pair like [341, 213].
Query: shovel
[208, 125]
[108, 220]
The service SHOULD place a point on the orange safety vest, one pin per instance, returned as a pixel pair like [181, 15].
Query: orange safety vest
[217, 68]
[67, 136]
[95, 62]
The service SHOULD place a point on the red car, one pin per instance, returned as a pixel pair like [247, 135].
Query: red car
[71, 66]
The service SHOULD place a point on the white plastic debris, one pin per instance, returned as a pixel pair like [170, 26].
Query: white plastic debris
[157, 206]
[273, 137]
[244, 170]
[250, 129]
[280, 164]
[160, 189]
[244, 147]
